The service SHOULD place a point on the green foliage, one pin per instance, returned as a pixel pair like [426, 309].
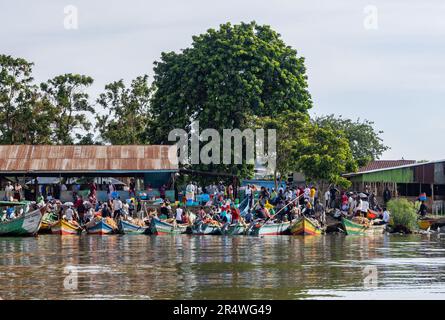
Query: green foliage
[127, 118]
[365, 142]
[226, 76]
[66, 93]
[322, 154]
[403, 213]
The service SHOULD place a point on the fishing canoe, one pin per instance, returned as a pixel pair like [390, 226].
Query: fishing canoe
[305, 227]
[206, 229]
[159, 227]
[99, 227]
[65, 228]
[425, 224]
[270, 229]
[234, 229]
[26, 225]
[126, 227]
[48, 220]
[352, 228]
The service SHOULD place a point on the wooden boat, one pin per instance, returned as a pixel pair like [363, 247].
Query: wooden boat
[48, 220]
[201, 228]
[65, 228]
[425, 224]
[305, 227]
[352, 228]
[27, 224]
[270, 229]
[161, 227]
[99, 227]
[126, 227]
[234, 229]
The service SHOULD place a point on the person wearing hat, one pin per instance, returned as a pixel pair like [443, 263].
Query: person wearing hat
[9, 191]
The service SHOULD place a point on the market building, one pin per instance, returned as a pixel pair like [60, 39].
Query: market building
[404, 180]
[45, 168]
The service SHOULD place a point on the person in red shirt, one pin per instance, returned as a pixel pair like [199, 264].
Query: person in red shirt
[235, 215]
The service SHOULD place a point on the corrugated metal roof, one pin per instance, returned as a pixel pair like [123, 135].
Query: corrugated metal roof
[382, 164]
[417, 164]
[44, 158]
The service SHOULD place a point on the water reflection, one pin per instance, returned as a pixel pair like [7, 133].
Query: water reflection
[211, 267]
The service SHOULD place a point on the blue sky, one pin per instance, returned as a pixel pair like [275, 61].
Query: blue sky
[393, 75]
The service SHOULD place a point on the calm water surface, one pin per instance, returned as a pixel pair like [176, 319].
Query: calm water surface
[216, 267]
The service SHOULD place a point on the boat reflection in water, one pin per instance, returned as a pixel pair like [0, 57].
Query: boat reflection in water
[221, 267]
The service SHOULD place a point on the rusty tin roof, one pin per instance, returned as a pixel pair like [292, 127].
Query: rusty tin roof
[89, 158]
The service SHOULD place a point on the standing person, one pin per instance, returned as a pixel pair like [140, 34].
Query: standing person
[117, 207]
[333, 197]
[307, 194]
[93, 192]
[17, 191]
[386, 216]
[132, 188]
[131, 208]
[327, 199]
[423, 210]
[387, 195]
[110, 190]
[179, 213]
[190, 189]
[69, 214]
[312, 195]
[9, 189]
[162, 191]
[230, 192]
[249, 196]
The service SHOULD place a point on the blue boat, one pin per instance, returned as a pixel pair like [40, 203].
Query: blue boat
[126, 227]
[100, 227]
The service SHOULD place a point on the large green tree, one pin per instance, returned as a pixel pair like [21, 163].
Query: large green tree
[67, 94]
[226, 76]
[321, 154]
[364, 140]
[24, 116]
[127, 114]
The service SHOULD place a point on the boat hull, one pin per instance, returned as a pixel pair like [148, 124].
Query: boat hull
[235, 230]
[26, 225]
[126, 227]
[305, 227]
[270, 229]
[204, 229]
[100, 228]
[159, 228]
[352, 228]
[65, 228]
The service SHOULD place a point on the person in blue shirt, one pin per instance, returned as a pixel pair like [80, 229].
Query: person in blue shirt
[10, 213]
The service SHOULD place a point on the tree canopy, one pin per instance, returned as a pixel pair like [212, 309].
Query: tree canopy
[127, 110]
[226, 76]
[364, 140]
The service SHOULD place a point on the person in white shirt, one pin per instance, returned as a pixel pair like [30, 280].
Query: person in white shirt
[9, 191]
[307, 193]
[117, 207]
[386, 216]
[327, 199]
[179, 212]
[69, 214]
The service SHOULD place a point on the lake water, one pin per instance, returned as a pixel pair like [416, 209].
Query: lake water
[217, 267]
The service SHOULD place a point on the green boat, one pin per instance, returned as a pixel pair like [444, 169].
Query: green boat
[352, 228]
[27, 224]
